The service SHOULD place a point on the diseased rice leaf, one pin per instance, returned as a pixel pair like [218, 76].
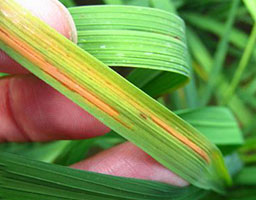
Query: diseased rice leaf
[112, 99]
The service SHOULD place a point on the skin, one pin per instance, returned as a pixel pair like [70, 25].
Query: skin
[30, 110]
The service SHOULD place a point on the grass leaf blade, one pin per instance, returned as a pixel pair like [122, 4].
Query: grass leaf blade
[105, 94]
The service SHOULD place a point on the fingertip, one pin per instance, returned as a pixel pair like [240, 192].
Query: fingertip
[72, 31]
[127, 160]
[54, 14]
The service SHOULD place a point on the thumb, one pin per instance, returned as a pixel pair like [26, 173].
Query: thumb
[54, 14]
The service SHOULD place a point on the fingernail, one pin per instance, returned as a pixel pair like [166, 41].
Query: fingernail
[68, 16]
[54, 14]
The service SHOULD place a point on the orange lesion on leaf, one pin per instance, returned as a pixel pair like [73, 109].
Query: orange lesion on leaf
[145, 114]
[36, 58]
[181, 138]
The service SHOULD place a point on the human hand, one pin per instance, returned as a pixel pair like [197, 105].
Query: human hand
[30, 110]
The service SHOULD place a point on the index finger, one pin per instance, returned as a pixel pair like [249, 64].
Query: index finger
[54, 14]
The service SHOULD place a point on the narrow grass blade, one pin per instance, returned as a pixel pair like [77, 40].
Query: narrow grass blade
[221, 53]
[205, 63]
[242, 65]
[237, 38]
[112, 99]
[236, 104]
[201, 54]
[20, 179]
[191, 93]
[190, 90]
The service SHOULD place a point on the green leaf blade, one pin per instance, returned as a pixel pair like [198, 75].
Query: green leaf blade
[19, 178]
[111, 98]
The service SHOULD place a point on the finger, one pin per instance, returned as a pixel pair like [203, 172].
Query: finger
[30, 110]
[53, 13]
[127, 160]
